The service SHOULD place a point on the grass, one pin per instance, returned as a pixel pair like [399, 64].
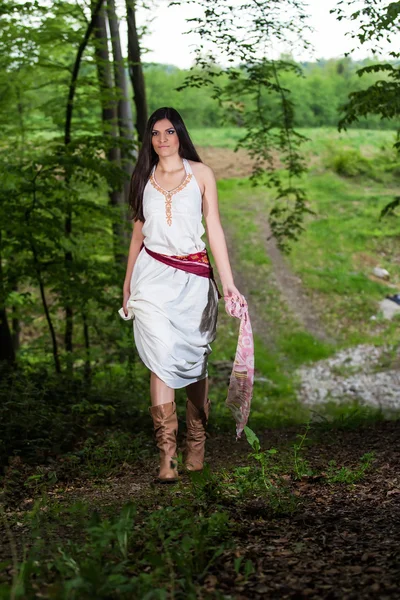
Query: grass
[221, 137]
[321, 139]
[337, 252]
[334, 258]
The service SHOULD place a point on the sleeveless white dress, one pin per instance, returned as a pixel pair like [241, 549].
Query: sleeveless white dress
[167, 303]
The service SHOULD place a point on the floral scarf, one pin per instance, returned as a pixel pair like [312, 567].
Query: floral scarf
[240, 390]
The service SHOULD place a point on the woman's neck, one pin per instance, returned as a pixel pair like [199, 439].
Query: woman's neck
[170, 164]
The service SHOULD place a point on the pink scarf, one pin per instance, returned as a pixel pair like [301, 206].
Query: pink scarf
[240, 389]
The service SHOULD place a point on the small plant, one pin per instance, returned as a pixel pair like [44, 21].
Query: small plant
[281, 500]
[40, 480]
[101, 458]
[190, 542]
[346, 475]
[301, 466]
[205, 485]
[350, 163]
[350, 415]
[244, 570]
[263, 457]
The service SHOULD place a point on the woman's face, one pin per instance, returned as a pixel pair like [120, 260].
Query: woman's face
[164, 138]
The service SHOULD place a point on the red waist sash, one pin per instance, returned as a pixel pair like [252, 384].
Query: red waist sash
[197, 263]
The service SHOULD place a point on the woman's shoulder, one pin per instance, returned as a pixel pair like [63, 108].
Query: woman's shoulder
[201, 169]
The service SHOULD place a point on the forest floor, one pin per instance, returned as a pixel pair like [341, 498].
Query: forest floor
[324, 524]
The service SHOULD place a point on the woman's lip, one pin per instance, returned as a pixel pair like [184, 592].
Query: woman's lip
[163, 146]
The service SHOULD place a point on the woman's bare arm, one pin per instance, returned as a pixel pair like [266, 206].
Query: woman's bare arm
[215, 232]
[134, 249]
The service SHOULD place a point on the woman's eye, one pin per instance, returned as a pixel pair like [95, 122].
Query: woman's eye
[154, 132]
[171, 131]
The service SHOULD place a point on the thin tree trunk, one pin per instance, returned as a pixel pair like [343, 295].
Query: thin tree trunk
[7, 353]
[110, 124]
[88, 369]
[16, 325]
[69, 312]
[67, 139]
[75, 72]
[135, 70]
[125, 121]
[15, 321]
[36, 262]
[49, 321]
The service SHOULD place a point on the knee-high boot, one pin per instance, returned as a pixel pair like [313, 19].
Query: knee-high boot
[196, 423]
[165, 422]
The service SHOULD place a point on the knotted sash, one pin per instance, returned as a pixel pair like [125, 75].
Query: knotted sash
[197, 263]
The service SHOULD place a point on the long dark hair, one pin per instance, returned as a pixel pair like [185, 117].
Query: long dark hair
[148, 157]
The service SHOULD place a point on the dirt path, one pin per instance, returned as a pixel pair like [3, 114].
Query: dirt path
[292, 290]
[245, 282]
[226, 164]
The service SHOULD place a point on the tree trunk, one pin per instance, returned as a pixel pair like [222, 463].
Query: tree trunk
[7, 353]
[88, 368]
[136, 71]
[69, 312]
[6, 344]
[110, 124]
[67, 139]
[124, 109]
[16, 325]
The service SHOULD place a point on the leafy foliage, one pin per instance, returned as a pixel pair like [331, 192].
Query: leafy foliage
[243, 35]
[377, 22]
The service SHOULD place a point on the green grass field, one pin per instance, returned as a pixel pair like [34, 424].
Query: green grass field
[369, 140]
[334, 259]
[345, 239]
[342, 243]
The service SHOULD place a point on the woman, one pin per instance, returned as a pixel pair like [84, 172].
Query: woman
[169, 287]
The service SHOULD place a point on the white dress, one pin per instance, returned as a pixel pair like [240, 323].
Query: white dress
[168, 304]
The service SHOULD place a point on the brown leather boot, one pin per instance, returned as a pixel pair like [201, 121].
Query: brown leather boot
[196, 423]
[165, 423]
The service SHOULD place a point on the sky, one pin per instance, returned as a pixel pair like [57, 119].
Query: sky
[169, 45]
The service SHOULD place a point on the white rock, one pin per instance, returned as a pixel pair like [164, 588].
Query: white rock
[381, 273]
[389, 308]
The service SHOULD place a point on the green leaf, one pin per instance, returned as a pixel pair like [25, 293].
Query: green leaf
[252, 438]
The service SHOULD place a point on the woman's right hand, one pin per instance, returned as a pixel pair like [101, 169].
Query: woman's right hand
[126, 296]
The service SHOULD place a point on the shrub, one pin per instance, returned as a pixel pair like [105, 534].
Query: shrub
[350, 163]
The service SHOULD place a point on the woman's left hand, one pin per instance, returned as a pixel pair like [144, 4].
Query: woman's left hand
[231, 290]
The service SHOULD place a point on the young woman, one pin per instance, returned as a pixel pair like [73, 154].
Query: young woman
[169, 288]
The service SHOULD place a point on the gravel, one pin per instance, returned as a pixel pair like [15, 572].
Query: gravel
[365, 373]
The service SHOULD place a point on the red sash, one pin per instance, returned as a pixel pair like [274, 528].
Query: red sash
[197, 263]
